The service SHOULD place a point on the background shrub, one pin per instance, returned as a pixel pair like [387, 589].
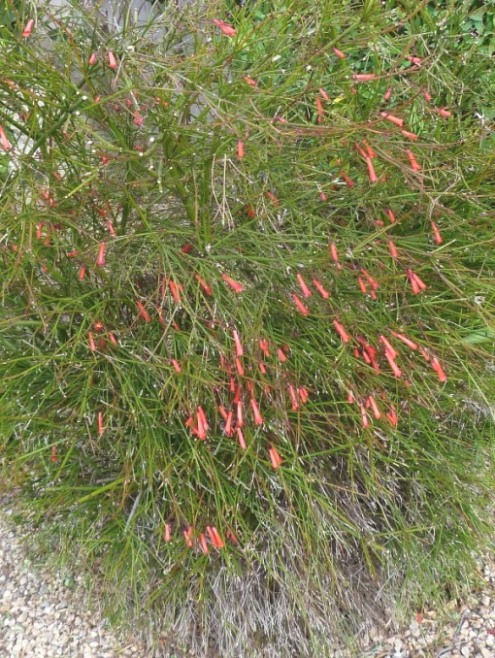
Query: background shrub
[247, 330]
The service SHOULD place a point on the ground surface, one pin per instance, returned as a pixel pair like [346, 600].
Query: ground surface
[45, 615]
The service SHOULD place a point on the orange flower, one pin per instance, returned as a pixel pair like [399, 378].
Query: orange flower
[239, 366]
[393, 119]
[415, 166]
[392, 416]
[241, 439]
[240, 418]
[363, 77]
[391, 215]
[250, 81]
[293, 397]
[203, 544]
[53, 456]
[275, 458]
[28, 29]
[264, 346]
[4, 142]
[143, 312]
[374, 407]
[82, 272]
[339, 53]
[227, 29]
[435, 364]
[303, 394]
[100, 260]
[304, 310]
[91, 341]
[167, 532]
[112, 62]
[187, 536]
[176, 365]
[305, 290]
[395, 368]
[443, 112]
[258, 419]
[335, 255]
[175, 289]
[324, 94]
[93, 58]
[393, 249]
[388, 94]
[388, 347]
[206, 288]
[364, 417]
[228, 424]
[235, 285]
[273, 198]
[341, 331]
[240, 149]
[409, 135]
[216, 540]
[407, 341]
[319, 287]
[101, 424]
[436, 234]
[371, 171]
[238, 345]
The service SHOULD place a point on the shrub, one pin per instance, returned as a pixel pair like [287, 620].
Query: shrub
[247, 322]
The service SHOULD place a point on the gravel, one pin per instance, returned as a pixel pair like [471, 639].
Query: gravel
[44, 614]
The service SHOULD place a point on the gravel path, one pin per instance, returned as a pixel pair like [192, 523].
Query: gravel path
[44, 615]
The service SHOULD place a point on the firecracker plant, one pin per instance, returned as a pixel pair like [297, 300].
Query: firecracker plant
[246, 329]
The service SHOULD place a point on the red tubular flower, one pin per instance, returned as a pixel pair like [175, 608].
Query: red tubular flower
[112, 62]
[443, 112]
[391, 215]
[364, 77]
[282, 356]
[82, 273]
[100, 260]
[239, 366]
[305, 290]
[374, 407]
[222, 411]
[258, 419]
[228, 424]
[176, 365]
[392, 416]
[393, 249]
[112, 339]
[215, 538]
[339, 53]
[167, 532]
[371, 171]
[91, 341]
[264, 346]
[407, 341]
[26, 32]
[293, 397]
[227, 29]
[348, 181]
[142, 311]
[262, 367]
[202, 416]
[415, 166]
[324, 94]
[304, 310]
[388, 347]
[175, 289]
[238, 345]
[436, 233]
[240, 149]
[303, 394]
[435, 364]
[203, 543]
[362, 285]
[388, 94]
[320, 288]
[4, 142]
[93, 58]
[395, 368]
[250, 81]
[393, 119]
[101, 424]
[275, 200]
[409, 135]
[364, 417]
[53, 455]
[275, 458]
[241, 439]
[235, 285]
[240, 419]
[341, 331]
[187, 536]
[416, 283]
[206, 288]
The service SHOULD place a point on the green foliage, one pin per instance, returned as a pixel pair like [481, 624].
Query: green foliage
[237, 294]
